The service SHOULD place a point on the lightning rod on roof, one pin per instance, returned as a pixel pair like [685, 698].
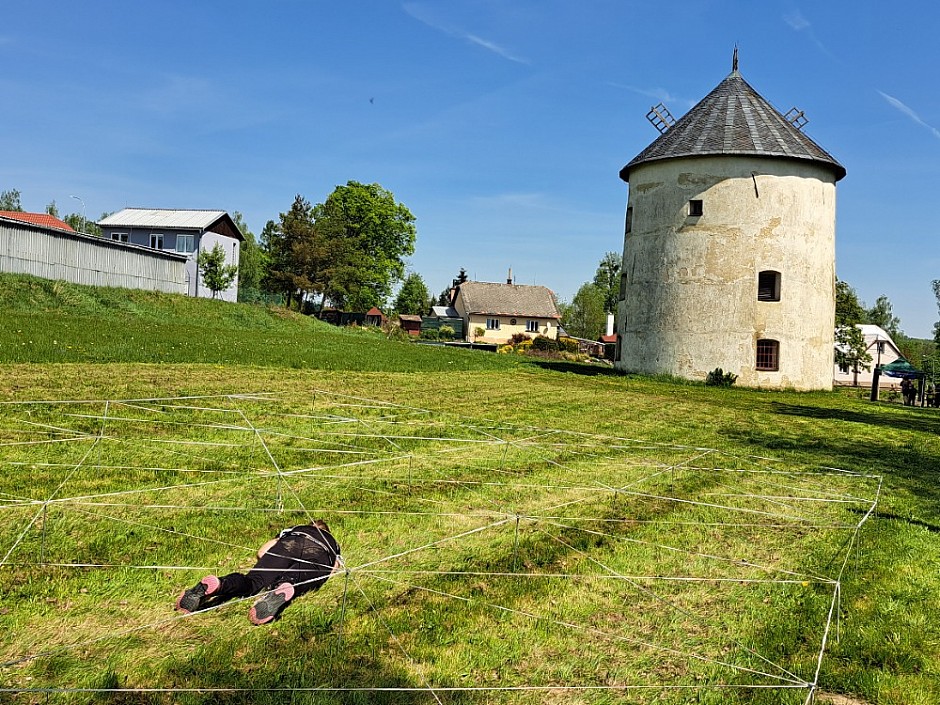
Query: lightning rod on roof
[734, 59]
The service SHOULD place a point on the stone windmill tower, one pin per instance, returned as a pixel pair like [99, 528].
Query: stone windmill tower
[729, 245]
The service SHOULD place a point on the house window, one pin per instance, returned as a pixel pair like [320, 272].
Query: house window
[768, 355]
[156, 241]
[768, 286]
[531, 326]
[119, 237]
[185, 243]
[492, 324]
[695, 207]
[628, 228]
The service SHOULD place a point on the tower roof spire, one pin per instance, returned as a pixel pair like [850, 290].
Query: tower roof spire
[734, 60]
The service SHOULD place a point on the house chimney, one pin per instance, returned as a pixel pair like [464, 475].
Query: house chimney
[509, 278]
[610, 324]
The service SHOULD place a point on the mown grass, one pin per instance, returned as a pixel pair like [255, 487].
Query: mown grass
[54, 321]
[888, 648]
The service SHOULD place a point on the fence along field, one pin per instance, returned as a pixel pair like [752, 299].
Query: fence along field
[483, 561]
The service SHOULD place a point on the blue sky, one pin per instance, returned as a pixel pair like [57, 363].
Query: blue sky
[501, 125]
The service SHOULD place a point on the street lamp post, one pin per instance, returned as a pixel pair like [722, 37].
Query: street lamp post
[83, 210]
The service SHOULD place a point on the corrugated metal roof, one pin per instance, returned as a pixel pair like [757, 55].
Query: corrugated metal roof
[162, 218]
[734, 119]
[509, 299]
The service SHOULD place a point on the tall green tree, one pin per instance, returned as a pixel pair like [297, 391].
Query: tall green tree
[936, 326]
[367, 236]
[216, 275]
[52, 209]
[882, 315]
[84, 225]
[287, 246]
[585, 317]
[607, 279]
[850, 352]
[250, 262]
[413, 297]
[10, 201]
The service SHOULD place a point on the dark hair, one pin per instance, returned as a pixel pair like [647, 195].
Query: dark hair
[320, 524]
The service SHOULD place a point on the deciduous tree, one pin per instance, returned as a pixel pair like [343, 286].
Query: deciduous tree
[607, 279]
[371, 236]
[413, 297]
[10, 201]
[250, 262]
[584, 317]
[883, 316]
[216, 275]
[850, 352]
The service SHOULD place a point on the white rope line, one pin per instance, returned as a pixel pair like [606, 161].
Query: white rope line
[695, 554]
[680, 610]
[413, 689]
[395, 638]
[588, 630]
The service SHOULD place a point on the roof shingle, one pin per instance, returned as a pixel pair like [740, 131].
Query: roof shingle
[734, 119]
[43, 219]
[509, 299]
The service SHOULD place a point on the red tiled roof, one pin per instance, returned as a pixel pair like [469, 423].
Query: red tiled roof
[43, 219]
[374, 312]
[609, 338]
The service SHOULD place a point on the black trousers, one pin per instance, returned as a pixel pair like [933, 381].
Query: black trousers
[293, 559]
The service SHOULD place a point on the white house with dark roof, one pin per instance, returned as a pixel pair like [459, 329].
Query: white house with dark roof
[729, 246]
[187, 232]
[501, 310]
[883, 351]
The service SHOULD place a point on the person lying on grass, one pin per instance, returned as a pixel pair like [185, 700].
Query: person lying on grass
[299, 560]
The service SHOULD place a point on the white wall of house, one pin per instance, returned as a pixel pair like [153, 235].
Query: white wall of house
[507, 328]
[207, 241]
[883, 350]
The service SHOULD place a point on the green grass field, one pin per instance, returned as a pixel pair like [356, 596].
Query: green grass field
[512, 531]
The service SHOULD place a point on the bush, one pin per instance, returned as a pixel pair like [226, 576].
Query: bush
[518, 338]
[524, 346]
[569, 345]
[479, 332]
[544, 344]
[430, 334]
[719, 378]
[445, 332]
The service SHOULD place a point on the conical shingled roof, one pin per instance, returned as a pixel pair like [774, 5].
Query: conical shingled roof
[734, 119]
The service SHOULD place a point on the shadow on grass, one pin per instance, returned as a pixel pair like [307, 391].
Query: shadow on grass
[921, 420]
[577, 368]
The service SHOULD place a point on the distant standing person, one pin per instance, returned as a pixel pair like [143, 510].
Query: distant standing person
[907, 391]
[297, 561]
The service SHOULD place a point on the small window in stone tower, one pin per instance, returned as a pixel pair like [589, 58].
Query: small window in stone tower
[768, 286]
[695, 207]
[768, 355]
[628, 227]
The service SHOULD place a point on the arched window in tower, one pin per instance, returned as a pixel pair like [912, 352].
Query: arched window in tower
[768, 355]
[768, 285]
[628, 225]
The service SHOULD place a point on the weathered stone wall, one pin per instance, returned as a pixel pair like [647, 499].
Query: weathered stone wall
[690, 283]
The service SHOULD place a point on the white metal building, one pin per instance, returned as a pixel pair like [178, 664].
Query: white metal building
[54, 253]
[186, 232]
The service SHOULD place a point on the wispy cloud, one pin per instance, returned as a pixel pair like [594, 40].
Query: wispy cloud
[420, 13]
[909, 112]
[796, 21]
[657, 93]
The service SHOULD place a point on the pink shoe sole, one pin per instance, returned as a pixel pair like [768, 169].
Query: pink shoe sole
[270, 605]
[191, 600]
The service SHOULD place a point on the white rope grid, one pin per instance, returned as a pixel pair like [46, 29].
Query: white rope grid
[532, 442]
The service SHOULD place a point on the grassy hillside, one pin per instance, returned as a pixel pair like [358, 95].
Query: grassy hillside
[651, 467]
[53, 321]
